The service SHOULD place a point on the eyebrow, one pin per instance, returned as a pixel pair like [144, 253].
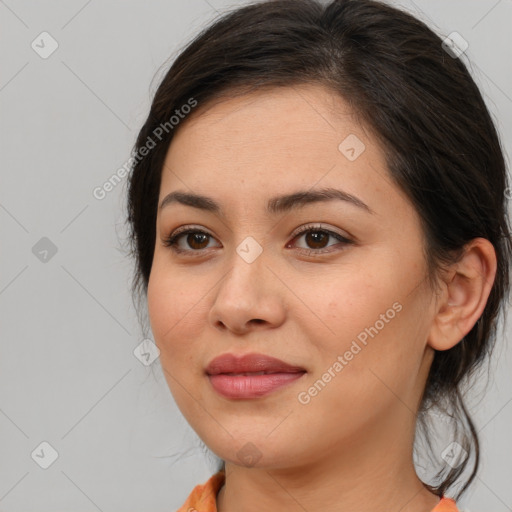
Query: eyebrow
[275, 205]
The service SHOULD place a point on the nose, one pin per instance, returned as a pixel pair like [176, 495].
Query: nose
[248, 297]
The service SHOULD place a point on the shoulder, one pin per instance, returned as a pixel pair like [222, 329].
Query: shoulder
[203, 496]
[446, 505]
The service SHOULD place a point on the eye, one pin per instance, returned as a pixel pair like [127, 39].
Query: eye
[196, 239]
[316, 239]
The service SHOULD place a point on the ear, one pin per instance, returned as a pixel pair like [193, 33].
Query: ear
[466, 286]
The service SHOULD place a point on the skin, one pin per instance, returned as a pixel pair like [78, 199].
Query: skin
[350, 447]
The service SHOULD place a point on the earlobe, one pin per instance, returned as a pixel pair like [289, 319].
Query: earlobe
[466, 288]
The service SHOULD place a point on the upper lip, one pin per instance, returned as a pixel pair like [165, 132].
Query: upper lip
[247, 363]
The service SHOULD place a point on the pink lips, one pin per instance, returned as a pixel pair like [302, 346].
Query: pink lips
[250, 375]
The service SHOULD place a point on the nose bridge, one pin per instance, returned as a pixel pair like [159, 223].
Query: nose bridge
[246, 279]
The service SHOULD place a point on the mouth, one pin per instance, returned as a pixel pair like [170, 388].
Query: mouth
[249, 364]
[251, 385]
[251, 375]
[254, 373]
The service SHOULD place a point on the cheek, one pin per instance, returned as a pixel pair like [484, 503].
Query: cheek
[371, 316]
[174, 303]
[351, 302]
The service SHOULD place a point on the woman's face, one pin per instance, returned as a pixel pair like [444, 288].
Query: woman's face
[346, 301]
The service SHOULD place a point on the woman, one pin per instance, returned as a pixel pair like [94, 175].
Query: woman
[318, 217]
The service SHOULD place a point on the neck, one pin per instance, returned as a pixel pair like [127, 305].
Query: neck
[372, 471]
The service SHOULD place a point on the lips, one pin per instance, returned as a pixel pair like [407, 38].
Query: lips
[249, 364]
[251, 376]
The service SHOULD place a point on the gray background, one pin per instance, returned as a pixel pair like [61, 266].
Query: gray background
[68, 373]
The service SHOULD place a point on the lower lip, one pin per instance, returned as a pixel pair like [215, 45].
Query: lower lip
[251, 386]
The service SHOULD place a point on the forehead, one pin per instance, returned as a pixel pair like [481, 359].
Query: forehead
[293, 131]
[243, 151]
[265, 113]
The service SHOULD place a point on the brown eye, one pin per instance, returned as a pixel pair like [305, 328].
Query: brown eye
[316, 239]
[197, 240]
[190, 240]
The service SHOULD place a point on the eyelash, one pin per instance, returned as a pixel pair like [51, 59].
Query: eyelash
[171, 240]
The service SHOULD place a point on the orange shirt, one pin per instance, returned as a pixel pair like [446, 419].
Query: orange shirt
[203, 497]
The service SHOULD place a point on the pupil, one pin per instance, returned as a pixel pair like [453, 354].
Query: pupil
[316, 237]
[196, 237]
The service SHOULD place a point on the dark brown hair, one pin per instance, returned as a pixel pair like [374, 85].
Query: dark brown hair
[442, 148]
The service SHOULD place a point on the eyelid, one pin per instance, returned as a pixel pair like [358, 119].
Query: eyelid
[320, 227]
[190, 227]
